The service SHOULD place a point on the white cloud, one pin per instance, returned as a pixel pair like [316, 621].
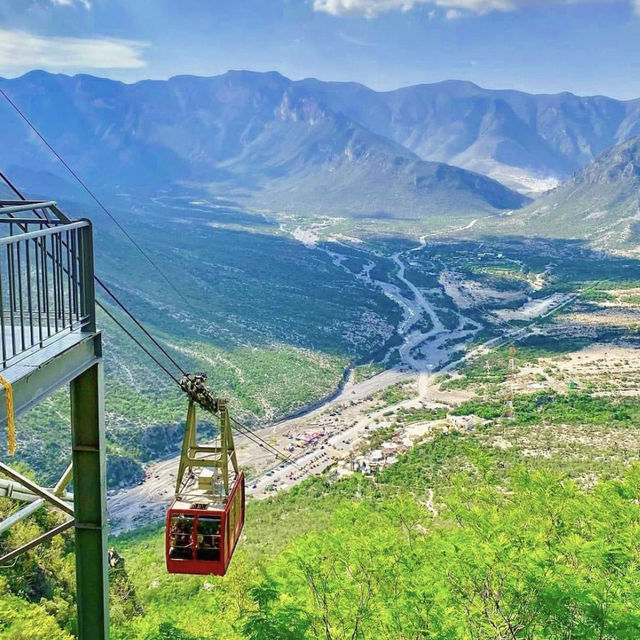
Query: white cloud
[357, 41]
[71, 3]
[23, 50]
[373, 8]
[368, 8]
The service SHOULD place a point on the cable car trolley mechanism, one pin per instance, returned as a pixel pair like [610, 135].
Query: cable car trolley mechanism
[206, 516]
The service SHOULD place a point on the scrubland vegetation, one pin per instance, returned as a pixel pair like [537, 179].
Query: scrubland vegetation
[519, 527]
[144, 422]
[511, 552]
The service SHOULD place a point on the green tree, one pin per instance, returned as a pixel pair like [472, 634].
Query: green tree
[21, 620]
[168, 631]
[273, 619]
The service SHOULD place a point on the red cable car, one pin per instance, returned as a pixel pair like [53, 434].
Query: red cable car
[201, 537]
[205, 519]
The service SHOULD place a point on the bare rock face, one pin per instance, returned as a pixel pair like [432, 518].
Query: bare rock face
[620, 164]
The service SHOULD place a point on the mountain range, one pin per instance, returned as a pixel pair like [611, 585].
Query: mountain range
[310, 146]
[600, 203]
[524, 140]
[257, 136]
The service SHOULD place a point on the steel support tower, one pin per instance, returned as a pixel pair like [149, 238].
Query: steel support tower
[48, 339]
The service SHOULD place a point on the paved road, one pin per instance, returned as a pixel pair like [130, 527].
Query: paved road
[148, 501]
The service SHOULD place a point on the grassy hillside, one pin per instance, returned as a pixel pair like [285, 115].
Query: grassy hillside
[365, 559]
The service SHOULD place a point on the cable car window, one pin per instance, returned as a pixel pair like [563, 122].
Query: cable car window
[237, 507]
[208, 538]
[181, 539]
[231, 520]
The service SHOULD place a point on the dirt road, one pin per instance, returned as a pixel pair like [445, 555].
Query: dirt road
[343, 420]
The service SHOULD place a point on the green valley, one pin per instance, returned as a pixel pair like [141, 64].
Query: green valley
[430, 361]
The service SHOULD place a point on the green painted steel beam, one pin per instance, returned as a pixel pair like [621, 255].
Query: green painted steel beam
[39, 375]
[34, 543]
[90, 505]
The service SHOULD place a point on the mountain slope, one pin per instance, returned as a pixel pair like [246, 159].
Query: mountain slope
[331, 163]
[524, 140]
[255, 135]
[240, 130]
[599, 203]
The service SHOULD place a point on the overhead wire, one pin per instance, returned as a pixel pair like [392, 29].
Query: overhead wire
[114, 297]
[261, 442]
[124, 231]
[239, 427]
[138, 323]
[95, 198]
[136, 341]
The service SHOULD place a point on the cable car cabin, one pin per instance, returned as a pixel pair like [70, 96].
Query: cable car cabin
[206, 517]
[200, 535]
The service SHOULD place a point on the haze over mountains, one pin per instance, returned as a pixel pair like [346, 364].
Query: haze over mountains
[254, 135]
[513, 136]
[600, 202]
[311, 146]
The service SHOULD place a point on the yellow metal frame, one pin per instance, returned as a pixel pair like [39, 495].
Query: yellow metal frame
[196, 456]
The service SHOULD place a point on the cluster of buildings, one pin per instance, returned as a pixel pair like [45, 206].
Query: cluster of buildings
[377, 459]
[387, 454]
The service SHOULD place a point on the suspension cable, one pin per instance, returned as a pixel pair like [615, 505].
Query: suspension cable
[242, 429]
[95, 198]
[138, 323]
[112, 295]
[261, 442]
[239, 426]
[137, 342]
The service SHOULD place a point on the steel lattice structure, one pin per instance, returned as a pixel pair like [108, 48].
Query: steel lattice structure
[48, 338]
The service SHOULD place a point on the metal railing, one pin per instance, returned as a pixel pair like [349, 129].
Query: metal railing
[46, 278]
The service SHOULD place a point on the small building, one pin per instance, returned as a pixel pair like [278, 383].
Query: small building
[361, 464]
[463, 423]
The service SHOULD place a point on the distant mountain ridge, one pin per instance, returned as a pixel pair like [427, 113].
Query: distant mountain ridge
[258, 136]
[600, 203]
[524, 140]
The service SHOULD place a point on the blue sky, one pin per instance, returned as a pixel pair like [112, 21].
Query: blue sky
[544, 46]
